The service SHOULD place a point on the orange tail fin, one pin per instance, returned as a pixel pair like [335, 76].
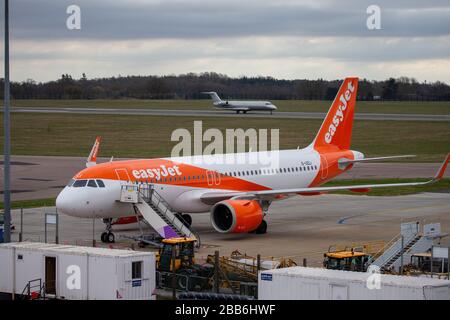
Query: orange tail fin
[92, 159]
[336, 129]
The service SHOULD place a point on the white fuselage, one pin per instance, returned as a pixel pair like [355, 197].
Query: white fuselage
[245, 105]
[294, 169]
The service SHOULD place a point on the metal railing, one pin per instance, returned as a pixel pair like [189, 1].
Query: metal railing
[389, 247]
[34, 284]
[150, 195]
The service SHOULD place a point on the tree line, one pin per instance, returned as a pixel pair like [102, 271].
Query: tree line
[190, 86]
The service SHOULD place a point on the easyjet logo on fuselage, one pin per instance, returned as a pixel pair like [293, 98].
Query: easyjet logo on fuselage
[340, 114]
[157, 173]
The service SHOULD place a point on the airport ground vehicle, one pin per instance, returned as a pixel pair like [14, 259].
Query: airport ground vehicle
[348, 260]
[421, 262]
[188, 275]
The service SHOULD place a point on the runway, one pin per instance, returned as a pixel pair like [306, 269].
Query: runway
[39, 177]
[220, 113]
[299, 227]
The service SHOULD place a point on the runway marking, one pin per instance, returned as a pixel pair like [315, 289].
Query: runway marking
[344, 219]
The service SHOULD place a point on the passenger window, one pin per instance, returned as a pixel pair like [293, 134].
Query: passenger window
[91, 183]
[79, 183]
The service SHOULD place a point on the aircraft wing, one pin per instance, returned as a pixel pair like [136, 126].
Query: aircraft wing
[239, 108]
[225, 107]
[214, 197]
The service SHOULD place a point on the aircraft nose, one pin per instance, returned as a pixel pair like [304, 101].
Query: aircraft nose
[63, 202]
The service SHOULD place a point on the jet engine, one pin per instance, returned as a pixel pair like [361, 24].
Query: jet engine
[236, 216]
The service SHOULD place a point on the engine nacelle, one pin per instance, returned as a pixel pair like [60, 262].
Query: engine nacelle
[236, 216]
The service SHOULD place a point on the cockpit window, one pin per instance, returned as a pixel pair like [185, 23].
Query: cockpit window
[91, 183]
[79, 183]
[70, 183]
[100, 183]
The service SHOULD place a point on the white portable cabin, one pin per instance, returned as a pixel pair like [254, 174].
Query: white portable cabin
[301, 283]
[78, 273]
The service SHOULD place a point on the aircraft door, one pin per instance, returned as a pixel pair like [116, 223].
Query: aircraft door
[213, 178]
[216, 178]
[323, 167]
[210, 177]
[122, 175]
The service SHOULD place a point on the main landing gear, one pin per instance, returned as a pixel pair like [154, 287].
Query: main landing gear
[108, 236]
[262, 228]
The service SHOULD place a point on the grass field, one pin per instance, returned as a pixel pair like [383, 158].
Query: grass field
[424, 107]
[149, 136]
[49, 202]
[444, 184]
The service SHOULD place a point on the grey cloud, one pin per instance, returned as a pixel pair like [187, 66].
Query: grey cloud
[45, 19]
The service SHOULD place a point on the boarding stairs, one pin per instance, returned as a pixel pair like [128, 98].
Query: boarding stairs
[402, 251]
[157, 212]
[402, 246]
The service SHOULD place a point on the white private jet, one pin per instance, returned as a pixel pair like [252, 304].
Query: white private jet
[239, 106]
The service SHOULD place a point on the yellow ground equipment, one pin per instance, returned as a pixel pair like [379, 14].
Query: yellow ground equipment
[348, 259]
[189, 275]
[421, 264]
[184, 254]
[354, 256]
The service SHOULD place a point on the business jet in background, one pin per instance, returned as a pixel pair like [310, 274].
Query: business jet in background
[237, 195]
[239, 106]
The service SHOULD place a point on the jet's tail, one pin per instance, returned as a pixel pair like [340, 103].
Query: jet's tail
[336, 129]
[92, 158]
[214, 96]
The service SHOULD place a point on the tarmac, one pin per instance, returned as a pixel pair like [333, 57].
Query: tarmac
[298, 228]
[39, 177]
[221, 113]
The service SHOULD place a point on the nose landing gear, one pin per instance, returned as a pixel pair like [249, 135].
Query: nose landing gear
[108, 236]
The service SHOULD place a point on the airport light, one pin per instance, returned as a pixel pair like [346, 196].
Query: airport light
[6, 145]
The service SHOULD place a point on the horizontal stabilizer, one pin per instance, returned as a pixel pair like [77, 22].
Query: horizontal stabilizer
[345, 161]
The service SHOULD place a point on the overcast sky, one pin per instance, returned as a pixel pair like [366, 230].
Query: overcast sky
[281, 38]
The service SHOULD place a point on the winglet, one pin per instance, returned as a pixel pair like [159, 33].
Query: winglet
[441, 171]
[92, 159]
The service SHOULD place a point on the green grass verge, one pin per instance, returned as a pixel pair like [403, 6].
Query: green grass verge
[50, 202]
[442, 185]
[149, 136]
[419, 107]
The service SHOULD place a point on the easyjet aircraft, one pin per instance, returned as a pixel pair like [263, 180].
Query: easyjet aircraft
[237, 195]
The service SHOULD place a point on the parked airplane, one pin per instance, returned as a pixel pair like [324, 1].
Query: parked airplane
[239, 106]
[237, 195]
